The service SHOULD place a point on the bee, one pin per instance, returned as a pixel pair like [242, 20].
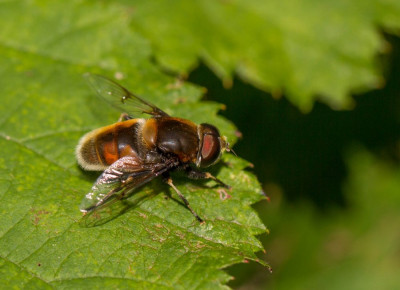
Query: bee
[134, 151]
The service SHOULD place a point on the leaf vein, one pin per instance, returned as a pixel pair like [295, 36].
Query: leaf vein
[11, 139]
[26, 270]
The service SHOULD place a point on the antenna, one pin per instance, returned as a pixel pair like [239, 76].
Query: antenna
[230, 149]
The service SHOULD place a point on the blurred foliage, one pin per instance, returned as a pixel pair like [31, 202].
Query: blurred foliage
[334, 209]
[353, 248]
[303, 153]
[308, 49]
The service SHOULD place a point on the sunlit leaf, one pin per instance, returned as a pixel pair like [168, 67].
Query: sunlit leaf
[46, 106]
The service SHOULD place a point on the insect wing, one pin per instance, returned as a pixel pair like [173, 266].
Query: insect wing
[121, 98]
[106, 188]
[117, 181]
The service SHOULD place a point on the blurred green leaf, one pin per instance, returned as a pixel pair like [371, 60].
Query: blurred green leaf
[46, 106]
[353, 248]
[309, 50]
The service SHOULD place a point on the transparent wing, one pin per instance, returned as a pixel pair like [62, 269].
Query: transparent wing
[118, 180]
[121, 98]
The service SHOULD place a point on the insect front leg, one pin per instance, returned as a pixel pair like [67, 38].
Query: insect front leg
[194, 174]
[168, 180]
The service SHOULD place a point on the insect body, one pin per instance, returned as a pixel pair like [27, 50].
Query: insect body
[132, 152]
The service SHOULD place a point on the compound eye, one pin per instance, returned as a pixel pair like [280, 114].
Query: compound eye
[210, 150]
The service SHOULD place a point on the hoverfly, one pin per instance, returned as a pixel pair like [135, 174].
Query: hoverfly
[134, 151]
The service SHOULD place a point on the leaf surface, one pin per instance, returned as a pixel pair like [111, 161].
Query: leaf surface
[146, 242]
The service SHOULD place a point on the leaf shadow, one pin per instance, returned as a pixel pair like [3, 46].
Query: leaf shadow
[118, 207]
[108, 213]
[88, 175]
[180, 178]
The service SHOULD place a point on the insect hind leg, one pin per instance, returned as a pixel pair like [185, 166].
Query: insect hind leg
[168, 180]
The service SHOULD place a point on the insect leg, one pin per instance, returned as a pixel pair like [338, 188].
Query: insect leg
[194, 174]
[169, 182]
[124, 117]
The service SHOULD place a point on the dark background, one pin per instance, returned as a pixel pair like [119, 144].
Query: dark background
[301, 157]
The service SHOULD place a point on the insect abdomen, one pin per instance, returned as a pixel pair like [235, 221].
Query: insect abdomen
[101, 147]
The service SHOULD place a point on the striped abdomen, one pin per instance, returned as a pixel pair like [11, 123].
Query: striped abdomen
[100, 148]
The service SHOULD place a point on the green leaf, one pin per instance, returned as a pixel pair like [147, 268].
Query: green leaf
[309, 50]
[46, 106]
